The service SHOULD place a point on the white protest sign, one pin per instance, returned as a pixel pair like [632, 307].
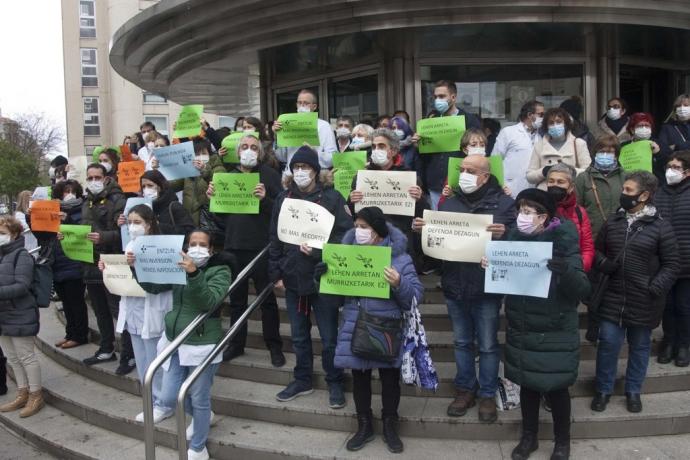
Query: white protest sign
[118, 278]
[41, 193]
[175, 161]
[455, 236]
[518, 268]
[387, 190]
[301, 221]
[157, 258]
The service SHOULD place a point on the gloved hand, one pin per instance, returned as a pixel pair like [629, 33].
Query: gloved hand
[608, 267]
[557, 265]
[320, 269]
[545, 170]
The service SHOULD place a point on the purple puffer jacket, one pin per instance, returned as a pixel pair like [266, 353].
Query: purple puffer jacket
[400, 299]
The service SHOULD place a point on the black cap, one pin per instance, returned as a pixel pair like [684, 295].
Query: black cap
[58, 161]
[308, 156]
[375, 218]
[538, 196]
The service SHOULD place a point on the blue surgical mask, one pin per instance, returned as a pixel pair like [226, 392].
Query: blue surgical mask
[441, 105]
[557, 131]
[605, 161]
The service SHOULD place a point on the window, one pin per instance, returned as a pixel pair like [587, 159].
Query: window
[91, 121]
[228, 122]
[357, 97]
[153, 98]
[89, 74]
[87, 18]
[159, 121]
[88, 151]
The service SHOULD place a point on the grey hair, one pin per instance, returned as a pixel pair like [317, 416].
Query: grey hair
[646, 181]
[368, 130]
[261, 154]
[565, 169]
[392, 139]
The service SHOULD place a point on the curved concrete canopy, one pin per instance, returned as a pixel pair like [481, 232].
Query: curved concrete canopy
[206, 51]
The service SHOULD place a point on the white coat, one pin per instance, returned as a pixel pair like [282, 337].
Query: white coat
[515, 144]
[326, 150]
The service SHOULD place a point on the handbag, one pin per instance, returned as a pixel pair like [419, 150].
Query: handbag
[212, 223]
[417, 367]
[376, 337]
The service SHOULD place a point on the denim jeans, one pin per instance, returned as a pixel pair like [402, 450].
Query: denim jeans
[476, 319]
[611, 337]
[144, 353]
[198, 401]
[435, 197]
[677, 314]
[325, 308]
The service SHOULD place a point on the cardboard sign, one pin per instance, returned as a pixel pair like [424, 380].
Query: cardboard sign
[230, 143]
[128, 175]
[45, 216]
[75, 245]
[440, 134]
[356, 270]
[131, 202]
[126, 153]
[495, 167]
[118, 278]
[636, 156]
[387, 190]
[518, 268]
[455, 236]
[234, 193]
[298, 129]
[176, 161]
[346, 166]
[157, 257]
[189, 121]
[302, 221]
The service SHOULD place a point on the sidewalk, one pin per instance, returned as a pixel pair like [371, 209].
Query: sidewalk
[15, 448]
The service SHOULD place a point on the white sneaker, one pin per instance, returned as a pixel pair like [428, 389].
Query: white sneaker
[158, 415]
[194, 455]
[190, 428]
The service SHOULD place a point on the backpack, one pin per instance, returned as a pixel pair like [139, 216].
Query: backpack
[42, 284]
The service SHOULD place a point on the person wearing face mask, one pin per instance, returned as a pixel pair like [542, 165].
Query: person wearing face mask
[673, 202]
[307, 102]
[252, 124]
[558, 144]
[208, 280]
[433, 168]
[343, 132]
[172, 217]
[640, 126]
[543, 341]
[402, 130]
[472, 312]
[293, 268]
[145, 153]
[573, 106]
[675, 133]
[109, 159]
[361, 138]
[515, 145]
[246, 245]
[637, 248]
[54, 164]
[371, 228]
[615, 120]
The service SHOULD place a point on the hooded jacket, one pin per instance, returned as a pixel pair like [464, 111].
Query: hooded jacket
[18, 309]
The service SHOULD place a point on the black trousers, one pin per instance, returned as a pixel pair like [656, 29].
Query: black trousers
[106, 307]
[676, 321]
[390, 391]
[71, 293]
[270, 318]
[560, 412]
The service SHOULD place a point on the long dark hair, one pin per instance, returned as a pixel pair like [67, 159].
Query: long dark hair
[148, 216]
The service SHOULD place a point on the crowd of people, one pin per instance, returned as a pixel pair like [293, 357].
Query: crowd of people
[621, 244]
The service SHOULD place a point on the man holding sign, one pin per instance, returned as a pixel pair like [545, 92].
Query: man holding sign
[453, 235]
[292, 266]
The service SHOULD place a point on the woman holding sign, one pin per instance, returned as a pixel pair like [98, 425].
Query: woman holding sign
[371, 228]
[172, 217]
[641, 126]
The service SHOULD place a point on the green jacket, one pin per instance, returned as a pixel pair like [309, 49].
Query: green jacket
[194, 192]
[543, 340]
[609, 189]
[204, 290]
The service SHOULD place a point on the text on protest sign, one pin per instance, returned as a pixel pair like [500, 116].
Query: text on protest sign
[387, 190]
[302, 221]
[230, 144]
[346, 166]
[234, 193]
[298, 129]
[454, 236]
[356, 270]
[74, 244]
[157, 258]
[189, 121]
[440, 134]
[518, 268]
[45, 216]
[176, 161]
[131, 202]
[129, 175]
[118, 278]
[636, 156]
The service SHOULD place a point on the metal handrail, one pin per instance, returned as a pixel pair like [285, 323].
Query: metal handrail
[149, 429]
[186, 385]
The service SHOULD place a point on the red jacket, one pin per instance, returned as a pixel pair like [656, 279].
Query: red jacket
[569, 209]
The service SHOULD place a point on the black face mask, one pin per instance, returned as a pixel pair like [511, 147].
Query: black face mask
[629, 201]
[557, 193]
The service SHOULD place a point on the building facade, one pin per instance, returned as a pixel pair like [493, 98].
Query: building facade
[102, 107]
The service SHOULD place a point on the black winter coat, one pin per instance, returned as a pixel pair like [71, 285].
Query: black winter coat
[673, 203]
[676, 135]
[64, 268]
[464, 280]
[173, 218]
[647, 269]
[18, 309]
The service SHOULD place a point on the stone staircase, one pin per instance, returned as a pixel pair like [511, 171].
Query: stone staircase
[91, 410]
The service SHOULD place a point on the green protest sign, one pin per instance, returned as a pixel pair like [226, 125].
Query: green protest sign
[356, 270]
[496, 168]
[234, 193]
[230, 143]
[440, 134]
[346, 166]
[189, 121]
[74, 244]
[454, 171]
[636, 156]
[298, 128]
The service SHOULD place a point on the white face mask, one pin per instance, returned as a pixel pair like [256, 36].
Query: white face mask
[150, 145]
[150, 192]
[683, 112]
[362, 235]
[69, 196]
[674, 177]
[248, 158]
[203, 158]
[303, 109]
[249, 130]
[71, 175]
[643, 132]
[613, 114]
[476, 150]
[199, 255]
[342, 132]
[136, 230]
[379, 157]
[538, 122]
[468, 182]
[95, 186]
[108, 167]
[399, 133]
[302, 178]
[4, 239]
[51, 172]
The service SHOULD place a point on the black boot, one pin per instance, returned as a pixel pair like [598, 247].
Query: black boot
[364, 434]
[561, 451]
[390, 434]
[683, 357]
[599, 402]
[3, 375]
[528, 444]
[665, 353]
